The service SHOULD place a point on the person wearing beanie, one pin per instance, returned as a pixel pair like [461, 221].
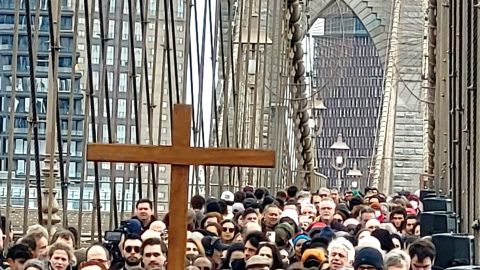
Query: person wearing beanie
[327, 233]
[313, 258]
[283, 233]
[341, 254]
[212, 205]
[368, 258]
[298, 242]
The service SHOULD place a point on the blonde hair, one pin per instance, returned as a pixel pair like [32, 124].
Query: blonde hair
[37, 231]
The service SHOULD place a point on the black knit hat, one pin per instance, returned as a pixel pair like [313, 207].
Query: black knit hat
[368, 256]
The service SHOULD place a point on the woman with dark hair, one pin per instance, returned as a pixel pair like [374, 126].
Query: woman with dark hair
[229, 230]
[270, 250]
[235, 258]
[214, 228]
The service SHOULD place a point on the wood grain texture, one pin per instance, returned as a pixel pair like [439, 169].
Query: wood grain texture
[178, 205]
[180, 155]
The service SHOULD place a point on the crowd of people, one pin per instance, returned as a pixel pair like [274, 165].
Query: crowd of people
[250, 229]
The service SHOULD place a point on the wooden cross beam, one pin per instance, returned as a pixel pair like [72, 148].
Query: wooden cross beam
[180, 155]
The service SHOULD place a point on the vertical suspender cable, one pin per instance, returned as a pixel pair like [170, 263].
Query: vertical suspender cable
[12, 118]
[143, 18]
[169, 66]
[29, 138]
[73, 89]
[54, 48]
[104, 81]
[154, 76]
[92, 114]
[174, 43]
[133, 78]
[33, 97]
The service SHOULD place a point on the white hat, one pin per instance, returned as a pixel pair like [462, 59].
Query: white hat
[227, 196]
[290, 213]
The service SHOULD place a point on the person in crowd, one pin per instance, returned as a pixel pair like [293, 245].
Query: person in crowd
[398, 217]
[194, 248]
[368, 258]
[132, 251]
[271, 252]
[271, 216]
[17, 255]
[144, 212]
[34, 264]
[397, 260]
[60, 256]
[252, 242]
[234, 258]
[258, 262]
[97, 252]
[229, 231]
[40, 235]
[154, 254]
[341, 254]
[422, 255]
[410, 223]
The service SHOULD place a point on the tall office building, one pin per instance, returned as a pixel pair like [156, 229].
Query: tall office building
[15, 96]
[120, 89]
[348, 75]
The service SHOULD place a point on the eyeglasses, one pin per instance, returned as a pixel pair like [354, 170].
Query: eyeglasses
[129, 249]
[153, 254]
[230, 230]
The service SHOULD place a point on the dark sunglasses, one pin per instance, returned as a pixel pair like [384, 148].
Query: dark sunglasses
[134, 248]
[154, 254]
[230, 230]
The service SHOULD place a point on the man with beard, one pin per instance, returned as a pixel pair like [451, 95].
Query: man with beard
[326, 212]
[154, 254]
[131, 251]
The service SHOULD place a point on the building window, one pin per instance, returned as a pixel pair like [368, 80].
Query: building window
[112, 6]
[121, 133]
[124, 56]
[110, 50]
[123, 82]
[122, 108]
[95, 54]
[162, 169]
[111, 29]
[96, 27]
[138, 31]
[125, 30]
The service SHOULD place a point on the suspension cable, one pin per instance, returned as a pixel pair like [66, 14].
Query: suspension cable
[12, 116]
[144, 22]
[73, 89]
[33, 97]
[93, 117]
[133, 81]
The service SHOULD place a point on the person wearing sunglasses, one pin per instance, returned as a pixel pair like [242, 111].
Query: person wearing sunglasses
[229, 230]
[132, 251]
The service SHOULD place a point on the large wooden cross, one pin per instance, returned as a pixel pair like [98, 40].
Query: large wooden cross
[180, 155]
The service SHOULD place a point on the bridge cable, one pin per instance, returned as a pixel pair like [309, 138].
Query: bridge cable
[92, 116]
[144, 23]
[133, 81]
[11, 122]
